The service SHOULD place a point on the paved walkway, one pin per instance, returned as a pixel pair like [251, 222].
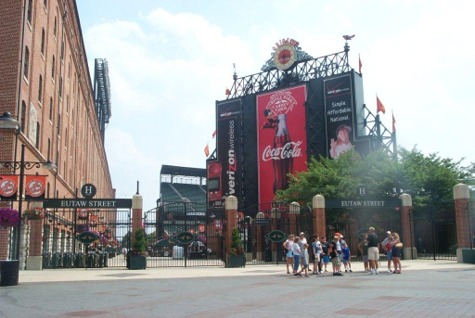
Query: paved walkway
[424, 289]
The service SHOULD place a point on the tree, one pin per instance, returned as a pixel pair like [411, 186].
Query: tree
[428, 179]
[126, 239]
[339, 178]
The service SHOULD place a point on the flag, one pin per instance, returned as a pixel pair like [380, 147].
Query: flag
[360, 64]
[214, 134]
[228, 92]
[380, 106]
[35, 187]
[207, 150]
[394, 123]
[8, 186]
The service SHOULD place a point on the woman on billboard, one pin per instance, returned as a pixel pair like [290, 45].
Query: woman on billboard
[342, 142]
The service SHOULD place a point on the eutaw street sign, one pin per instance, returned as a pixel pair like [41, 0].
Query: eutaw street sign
[88, 203]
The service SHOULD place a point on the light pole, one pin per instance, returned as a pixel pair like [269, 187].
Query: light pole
[8, 122]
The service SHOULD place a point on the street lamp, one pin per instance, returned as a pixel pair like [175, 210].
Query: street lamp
[8, 122]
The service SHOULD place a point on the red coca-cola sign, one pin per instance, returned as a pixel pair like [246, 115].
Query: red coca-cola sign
[282, 140]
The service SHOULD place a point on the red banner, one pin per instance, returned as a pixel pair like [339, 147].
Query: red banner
[35, 186]
[281, 140]
[8, 186]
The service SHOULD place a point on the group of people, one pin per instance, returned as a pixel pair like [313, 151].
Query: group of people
[322, 252]
[300, 254]
[370, 247]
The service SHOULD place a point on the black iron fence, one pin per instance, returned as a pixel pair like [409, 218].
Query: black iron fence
[61, 247]
[164, 224]
[434, 234]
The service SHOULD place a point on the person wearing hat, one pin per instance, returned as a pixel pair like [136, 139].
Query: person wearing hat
[336, 263]
[342, 142]
[386, 244]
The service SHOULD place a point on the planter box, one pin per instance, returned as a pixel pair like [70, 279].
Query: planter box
[136, 262]
[236, 261]
[468, 255]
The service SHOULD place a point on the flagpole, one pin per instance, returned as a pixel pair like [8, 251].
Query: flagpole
[378, 131]
[393, 136]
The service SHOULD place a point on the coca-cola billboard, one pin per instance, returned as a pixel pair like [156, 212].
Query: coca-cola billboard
[281, 139]
[229, 151]
[339, 115]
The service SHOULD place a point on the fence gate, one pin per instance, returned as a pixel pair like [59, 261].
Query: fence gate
[435, 234]
[62, 247]
[164, 224]
[353, 224]
[268, 217]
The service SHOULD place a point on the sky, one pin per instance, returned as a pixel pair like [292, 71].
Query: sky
[170, 61]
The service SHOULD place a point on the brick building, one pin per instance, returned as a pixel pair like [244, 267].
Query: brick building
[46, 86]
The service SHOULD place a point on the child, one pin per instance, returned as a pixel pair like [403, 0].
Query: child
[346, 258]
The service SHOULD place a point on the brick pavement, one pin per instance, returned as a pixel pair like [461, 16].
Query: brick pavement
[426, 288]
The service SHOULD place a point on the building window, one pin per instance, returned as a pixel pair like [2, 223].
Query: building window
[51, 108]
[62, 50]
[48, 154]
[37, 142]
[45, 3]
[28, 11]
[66, 138]
[26, 62]
[59, 124]
[40, 89]
[53, 67]
[23, 116]
[55, 26]
[43, 41]
[60, 89]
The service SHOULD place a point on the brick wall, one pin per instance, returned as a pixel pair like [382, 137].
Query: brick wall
[64, 111]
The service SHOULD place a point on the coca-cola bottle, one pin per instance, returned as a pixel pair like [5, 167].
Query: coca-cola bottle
[282, 158]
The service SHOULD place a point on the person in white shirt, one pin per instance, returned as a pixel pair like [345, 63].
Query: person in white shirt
[342, 142]
[289, 256]
[317, 251]
[297, 252]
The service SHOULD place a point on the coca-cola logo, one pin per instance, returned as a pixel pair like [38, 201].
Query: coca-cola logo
[289, 150]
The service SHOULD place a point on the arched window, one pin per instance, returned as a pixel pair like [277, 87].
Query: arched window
[60, 89]
[37, 141]
[23, 116]
[28, 11]
[26, 62]
[51, 108]
[53, 67]
[40, 89]
[55, 26]
[49, 150]
[43, 41]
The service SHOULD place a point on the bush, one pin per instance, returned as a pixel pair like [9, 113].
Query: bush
[139, 246]
[236, 244]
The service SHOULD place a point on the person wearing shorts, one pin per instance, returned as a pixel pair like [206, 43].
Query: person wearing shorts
[336, 263]
[373, 251]
[288, 254]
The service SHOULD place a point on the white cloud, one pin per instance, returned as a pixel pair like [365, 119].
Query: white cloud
[169, 66]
